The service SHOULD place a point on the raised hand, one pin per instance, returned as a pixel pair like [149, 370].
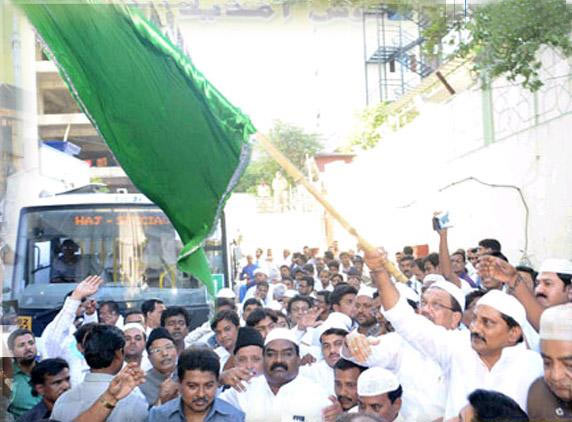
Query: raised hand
[376, 259]
[307, 359]
[330, 413]
[360, 346]
[235, 377]
[310, 318]
[87, 287]
[168, 390]
[125, 381]
[498, 269]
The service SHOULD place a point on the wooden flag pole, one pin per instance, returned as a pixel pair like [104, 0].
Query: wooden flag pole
[298, 177]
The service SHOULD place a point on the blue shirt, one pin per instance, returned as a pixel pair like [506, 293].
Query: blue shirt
[172, 411]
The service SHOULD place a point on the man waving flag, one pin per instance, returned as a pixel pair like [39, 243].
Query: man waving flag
[178, 139]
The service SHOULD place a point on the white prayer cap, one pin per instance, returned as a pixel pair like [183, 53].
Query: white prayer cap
[556, 323]
[290, 293]
[226, 293]
[280, 334]
[134, 325]
[275, 305]
[259, 270]
[407, 292]
[366, 291]
[335, 320]
[453, 290]
[505, 304]
[553, 265]
[376, 381]
[432, 278]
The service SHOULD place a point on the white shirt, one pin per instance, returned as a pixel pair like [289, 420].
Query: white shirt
[300, 398]
[464, 370]
[423, 382]
[223, 356]
[321, 373]
[199, 334]
[59, 341]
[74, 402]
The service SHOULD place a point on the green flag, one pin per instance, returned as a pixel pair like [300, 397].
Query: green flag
[178, 139]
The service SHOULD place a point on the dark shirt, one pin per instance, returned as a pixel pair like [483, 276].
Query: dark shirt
[38, 412]
[172, 411]
[544, 406]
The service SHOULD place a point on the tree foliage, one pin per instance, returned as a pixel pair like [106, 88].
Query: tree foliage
[506, 36]
[293, 142]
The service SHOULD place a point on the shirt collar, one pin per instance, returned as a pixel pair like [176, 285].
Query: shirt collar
[97, 377]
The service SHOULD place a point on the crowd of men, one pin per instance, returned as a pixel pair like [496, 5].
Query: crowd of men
[468, 337]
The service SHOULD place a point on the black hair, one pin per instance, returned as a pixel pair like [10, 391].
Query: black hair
[407, 258]
[149, 306]
[344, 364]
[172, 311]
[310, 280]
[82, 331]
[334, 331]
[492, 406]
[395, 394]
[263, 283]
[433, 258]
[251, 301]
[512, 324]
[340, 291]
[45, 367]
[419, 263]
[229, 316]
[473, 250]
[339, 276]
[498, 254]
[460, 252]
[133, 312]
[113, 306]
[566, 278]
[329, 255]
[100, 345]
[472, 296]
[344, 254]
[358, 417]
[223, 301]
[334, 264]
[19, 332]
[326, 294]
[309, 268]
[492, 244]
[258, 315]
[300, 298]
[198, 358]
[408, 250]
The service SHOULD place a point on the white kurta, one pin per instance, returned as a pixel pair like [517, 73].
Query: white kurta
[423, 382]
[300, 398]
[464, 370]
[321, 373]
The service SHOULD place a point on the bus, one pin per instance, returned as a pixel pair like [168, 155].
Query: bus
[123, 237]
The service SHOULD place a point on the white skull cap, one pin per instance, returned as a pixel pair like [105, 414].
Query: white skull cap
[226, 293]
[505, 304]
[556, 323]
[554, 265]
[133, 325]
[366, 291]
[335, 320]
[376, 381]
[280, 334]
[453, 290]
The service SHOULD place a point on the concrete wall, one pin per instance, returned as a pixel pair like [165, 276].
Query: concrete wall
[395, 187]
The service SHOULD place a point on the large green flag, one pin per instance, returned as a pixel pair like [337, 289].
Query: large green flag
[178, 139]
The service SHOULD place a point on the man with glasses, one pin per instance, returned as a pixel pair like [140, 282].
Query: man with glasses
[159, 386]
[423, 396]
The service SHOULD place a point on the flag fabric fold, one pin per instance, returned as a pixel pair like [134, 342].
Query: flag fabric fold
[178, 139]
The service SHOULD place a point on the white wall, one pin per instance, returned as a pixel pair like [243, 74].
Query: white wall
[395, 187]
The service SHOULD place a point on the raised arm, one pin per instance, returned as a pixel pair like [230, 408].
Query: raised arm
[498, 269]
[445, 259]
[432, 340]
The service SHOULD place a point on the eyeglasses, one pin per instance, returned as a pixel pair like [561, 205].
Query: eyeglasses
[434, 306]
[157, 350]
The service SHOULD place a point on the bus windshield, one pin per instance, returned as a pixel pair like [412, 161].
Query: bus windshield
[128, 245]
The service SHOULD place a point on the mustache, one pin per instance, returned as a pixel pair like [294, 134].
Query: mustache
[278, 365]
[541, 295]
[477, 336]
[200, 400]
[166, 361]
